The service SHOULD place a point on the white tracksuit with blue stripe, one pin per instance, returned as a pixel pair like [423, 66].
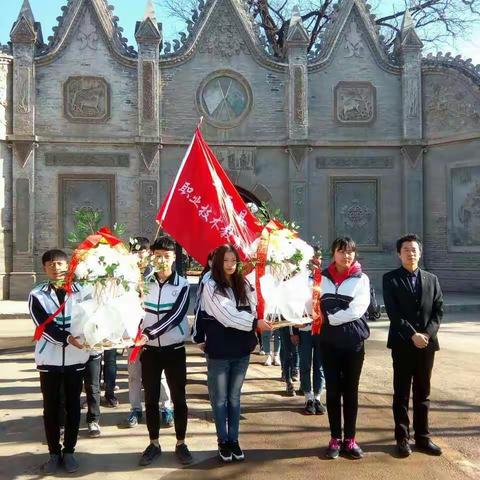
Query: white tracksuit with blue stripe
[166, 306]
[52, 351]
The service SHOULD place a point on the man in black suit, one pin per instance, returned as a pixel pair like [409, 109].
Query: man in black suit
[414, 304]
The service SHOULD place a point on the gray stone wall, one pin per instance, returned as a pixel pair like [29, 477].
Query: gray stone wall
[452, 229]
[86, 60]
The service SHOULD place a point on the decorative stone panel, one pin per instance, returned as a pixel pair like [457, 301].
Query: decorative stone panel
[70, 159]
[76, 191]
[464, 212]
[236, 158]
[353, 162]
[86, 99]
[355, 103]
[22, 214]
[356, 210]
[148, 207]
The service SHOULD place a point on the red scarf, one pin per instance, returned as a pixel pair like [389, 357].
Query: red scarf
[338, 278]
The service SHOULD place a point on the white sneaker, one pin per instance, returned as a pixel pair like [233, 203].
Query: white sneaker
[268, 361]
[93, 429]
[261, 352]
[276, 360]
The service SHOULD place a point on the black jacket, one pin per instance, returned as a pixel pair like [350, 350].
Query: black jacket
[410, 313]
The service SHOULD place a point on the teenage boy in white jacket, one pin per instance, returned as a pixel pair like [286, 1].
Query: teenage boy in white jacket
[60, 359]
[164, 331]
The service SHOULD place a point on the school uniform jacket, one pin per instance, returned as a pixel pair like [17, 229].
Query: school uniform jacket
[410, 312]
[227, 328]
[166, 305]
[52, 351]
[344, 307]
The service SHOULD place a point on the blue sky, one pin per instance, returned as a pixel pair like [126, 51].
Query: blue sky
[129, 11]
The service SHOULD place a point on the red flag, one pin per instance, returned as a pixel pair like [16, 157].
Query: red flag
[204, 210]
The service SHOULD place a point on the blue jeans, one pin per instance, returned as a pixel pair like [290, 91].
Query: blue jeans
[110, 372]
[310, 361]
[266, 336]
[225, 379]
[288, 354]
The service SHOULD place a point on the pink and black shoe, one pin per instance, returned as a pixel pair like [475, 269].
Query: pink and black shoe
[351, 449]
[333, 449]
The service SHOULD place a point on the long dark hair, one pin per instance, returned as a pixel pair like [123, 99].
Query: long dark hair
[237, 281]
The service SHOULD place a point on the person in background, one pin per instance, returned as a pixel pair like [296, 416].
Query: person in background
[414, 303]
[267, 336]
[344, 302]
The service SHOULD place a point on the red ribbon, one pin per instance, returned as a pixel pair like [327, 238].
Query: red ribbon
[316, 294]
[90, 242]
[136, 349]
[261, 262]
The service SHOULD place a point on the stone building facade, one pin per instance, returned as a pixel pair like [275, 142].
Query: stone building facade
[346, 139]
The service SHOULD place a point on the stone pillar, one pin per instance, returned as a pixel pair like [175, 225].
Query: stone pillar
[23, 37]
[297, 42]
[149, 38]
[5, 177]
[412, 150]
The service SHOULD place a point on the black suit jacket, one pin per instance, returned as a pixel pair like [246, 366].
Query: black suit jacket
[407, 314]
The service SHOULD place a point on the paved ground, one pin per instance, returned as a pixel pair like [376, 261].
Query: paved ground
[278, 440]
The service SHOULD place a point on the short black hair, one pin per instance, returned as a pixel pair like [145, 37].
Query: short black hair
[163, 243]
[409, 237]
[342, 243]
[54, 255]
[137, 244]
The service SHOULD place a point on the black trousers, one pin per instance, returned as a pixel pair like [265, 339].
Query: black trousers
[412, 367]
[110, 372]
[174, 361]
[52, 384]
[92, 387]
[342, 369]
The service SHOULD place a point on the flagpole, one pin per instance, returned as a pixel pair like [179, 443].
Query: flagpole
[182, 165]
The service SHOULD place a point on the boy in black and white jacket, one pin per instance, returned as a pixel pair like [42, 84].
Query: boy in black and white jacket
[60, 359]
[164, 331]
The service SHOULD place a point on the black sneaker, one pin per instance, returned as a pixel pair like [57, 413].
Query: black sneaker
[149, 455]
[110, 402]
[351, 449]
[290, 390]
[51, 466]
[183, 454]
[309, 408]
[237, 452]
[224, 452]
[70, 463]
[319, 407]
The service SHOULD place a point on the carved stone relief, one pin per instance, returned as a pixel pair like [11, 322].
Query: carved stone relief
[450, 105]
[353, 162]
[465, 207]
[222, 36]
[298, 201]
[241, 158]
[148, 91]
[355, 103]
[299, 92]
[76, 191]
[87, 99]
[22, 214]
[87, 34]
[23, 83]
[71, 159]
[148, 207]
[412, 98]
[353, 41]
[356, 210]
